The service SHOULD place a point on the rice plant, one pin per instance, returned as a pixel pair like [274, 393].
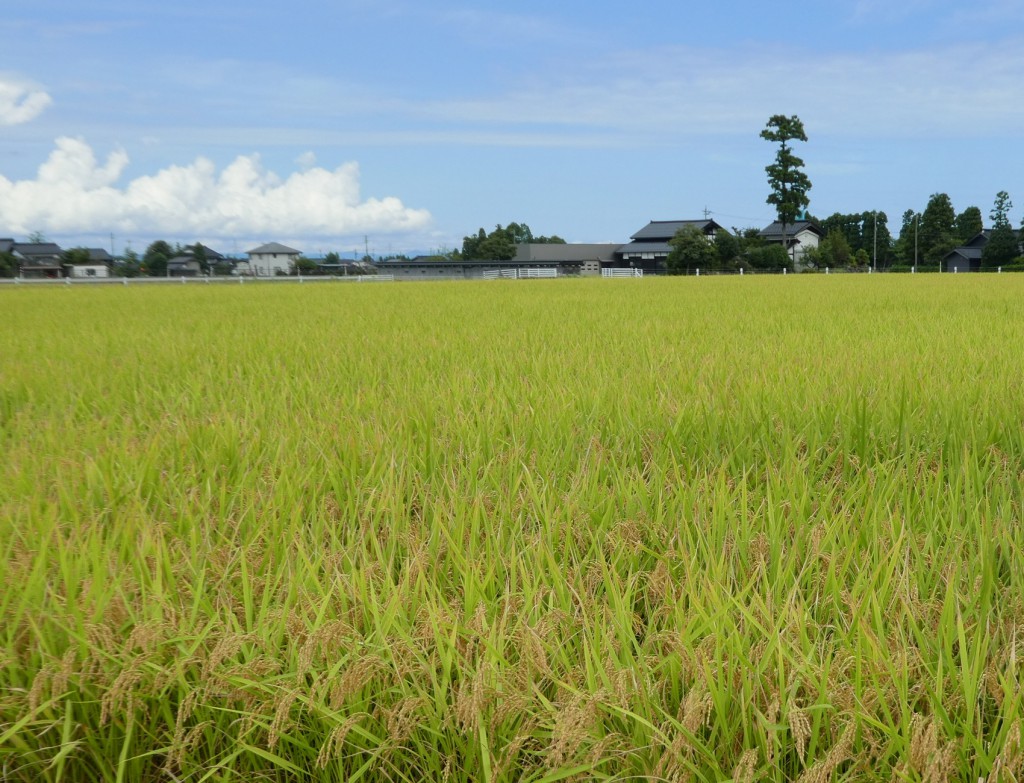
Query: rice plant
[680, 530]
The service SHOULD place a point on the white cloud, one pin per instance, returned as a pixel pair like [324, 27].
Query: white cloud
[75, 193]
[20, 101]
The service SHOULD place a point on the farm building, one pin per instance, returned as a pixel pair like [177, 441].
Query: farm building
[650, 247]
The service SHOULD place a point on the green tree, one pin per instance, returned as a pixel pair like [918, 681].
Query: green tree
[129, 265]
[76, 256]
[8, 264]
[36, 238]
[304, 267]
[906, 245]
[968, 224]
[836, 252]
[937, 232]
[875, 239]
[727, 248]
[786, 178]
[154, 260]
[198, 252]
[1003, 243]
[500, 244]
[691, 249]
[769, 257]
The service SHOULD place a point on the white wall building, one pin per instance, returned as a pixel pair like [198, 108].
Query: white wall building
[801, 236]
[271, 259]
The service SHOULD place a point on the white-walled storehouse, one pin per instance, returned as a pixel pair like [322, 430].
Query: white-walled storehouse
[801, 236]
[271, 259]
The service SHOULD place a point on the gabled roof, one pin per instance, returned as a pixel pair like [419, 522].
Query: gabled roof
[970, 253]
[274, 247]
[211, 254]
[792, 229]
[99, 256]
[664, 230]
[980, 239]
[33, 249]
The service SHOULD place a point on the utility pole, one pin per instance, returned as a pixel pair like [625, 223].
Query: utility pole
[874, 249]
[917, 223]
[366, 244]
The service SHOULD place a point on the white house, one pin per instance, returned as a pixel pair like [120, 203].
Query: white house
[87, 270]
[801, 236]
[271, 259]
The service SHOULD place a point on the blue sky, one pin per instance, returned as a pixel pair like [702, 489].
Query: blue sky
[413, 124]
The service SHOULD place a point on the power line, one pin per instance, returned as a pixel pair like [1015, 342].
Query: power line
[741, 217]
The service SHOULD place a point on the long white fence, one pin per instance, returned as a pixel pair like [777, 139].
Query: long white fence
[622, 273]
[519, 274]
[246, 280]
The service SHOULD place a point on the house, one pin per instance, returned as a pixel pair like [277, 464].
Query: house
[184, 266]
[801, 236]
[272, 259]
[650, 246]
[97, 267]
[572, 259]
[37, 259]
[967, 258]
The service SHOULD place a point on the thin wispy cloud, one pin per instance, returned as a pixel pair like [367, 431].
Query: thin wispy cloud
[962, 90]
[75, 192]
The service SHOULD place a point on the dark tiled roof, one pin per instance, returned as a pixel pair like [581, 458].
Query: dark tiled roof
[31, 249]
[792, 229]
[666, 229]
[970, 253]
[645, 247]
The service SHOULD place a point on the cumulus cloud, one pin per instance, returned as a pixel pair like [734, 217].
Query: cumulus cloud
[20, 101]
[75, 192]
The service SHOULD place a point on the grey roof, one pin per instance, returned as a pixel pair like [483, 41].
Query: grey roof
[970, 253]
[666, 229]
[792, 229]
[979, 240]
[32, 249]
[645, 247]
[567, 253]
[6, 245]
[274, 247]
[99, 255]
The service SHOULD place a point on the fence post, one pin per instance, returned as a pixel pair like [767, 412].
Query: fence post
[826, 270]
[741, 271]
[785, 271]
[1000, 270]
[698, 271]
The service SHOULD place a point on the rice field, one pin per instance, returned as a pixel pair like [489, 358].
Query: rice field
[715, 529]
